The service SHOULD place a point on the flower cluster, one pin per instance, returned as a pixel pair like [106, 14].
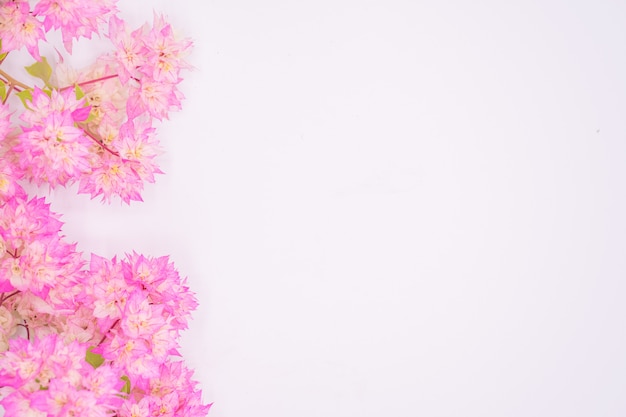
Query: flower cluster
[107, 343]
[98, 337]
[93, 127]
[35, 259]
[49, 376]
[22, 26]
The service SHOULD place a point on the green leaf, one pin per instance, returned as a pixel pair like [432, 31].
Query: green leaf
[93, 359]
[91, 117]
[3, 91]
[126, 387]
[79, 92]
[41, 69]
[25, 95]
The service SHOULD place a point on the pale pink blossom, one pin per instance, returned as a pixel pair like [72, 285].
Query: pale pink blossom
[100, 341]
[111, 176]
[75, 18]
[129, 52]
[141, 319]
[164, 52]
[18, 28]
[155, 97]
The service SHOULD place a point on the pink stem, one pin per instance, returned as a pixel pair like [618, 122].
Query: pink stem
[25, 325]
[106, 77]
[11, 87]
[3, 298]
[110, 328]
[106, 148]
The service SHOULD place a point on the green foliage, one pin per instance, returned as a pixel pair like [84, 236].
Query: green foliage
[3, 91]
[93, 359]
[126, 387]
[42, 70]
[25, 95]
[79, 92]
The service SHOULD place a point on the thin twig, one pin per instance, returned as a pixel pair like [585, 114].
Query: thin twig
[93, 137]
[11, 87]
[106, 77]
[25, 325]
[3, 298]
[107, 332]
[13, 81]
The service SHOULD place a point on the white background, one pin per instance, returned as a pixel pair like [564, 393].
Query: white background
[393, 208]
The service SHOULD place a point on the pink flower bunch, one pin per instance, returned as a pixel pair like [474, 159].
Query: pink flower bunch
[21, 26]
[50, 377]
[51, 147]
[35, 260]
[141, 305]
[110, 350]
[93, 127]
[97, 338]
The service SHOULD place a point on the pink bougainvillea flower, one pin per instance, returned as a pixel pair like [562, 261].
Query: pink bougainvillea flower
[136, 409]
[9, 176]
[111, 176]
[129, 52]
[34, 257]
[164, 53]
[155, 97]
[99, 341]
[56, 379]
[52, 148]
[176, 377]
[136, 144]
[105, 290]
[159, 277]
[18, 28]
[23, 222]
[105, 383]
[44, 104]
[141, 318]
[56, 151]
[74, 18]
